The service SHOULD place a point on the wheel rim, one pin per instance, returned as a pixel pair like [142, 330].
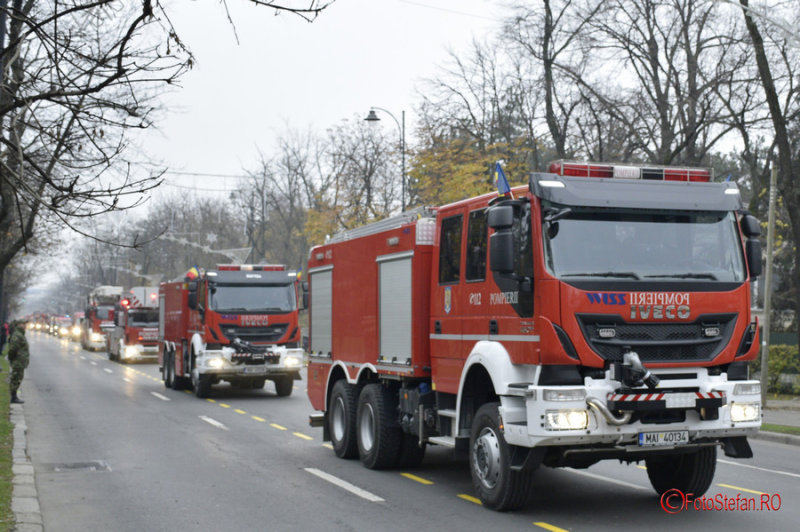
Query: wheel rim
[338, 421]
[367, 428]
[486, 457]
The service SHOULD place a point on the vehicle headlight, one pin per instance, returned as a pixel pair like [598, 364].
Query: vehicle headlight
[747, 388]
[96, 337]
[293, 361]
[572, 419]
[64, 331]
[131, 351]
[76, 331]
[569, 394]
[216, 363]
[741, 412]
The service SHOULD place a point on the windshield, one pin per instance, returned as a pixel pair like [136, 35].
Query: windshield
[595, 243]
[143, 318]
[253, 298]
[104, 313]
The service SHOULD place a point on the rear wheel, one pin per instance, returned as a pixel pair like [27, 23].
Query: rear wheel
[689, 473]
[377, 430]
[342, 419]
[169, 370]
[497, 485]
[283, 386]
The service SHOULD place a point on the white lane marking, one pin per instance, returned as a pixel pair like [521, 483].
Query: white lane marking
[214, 422]
[344, 485]
[107, 370]
[83, 357]
[759, 468]
[606, 479]
[126, 379]
[162, 397]
[92, 362]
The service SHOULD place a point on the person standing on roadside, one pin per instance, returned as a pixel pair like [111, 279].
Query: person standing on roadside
[18, 357]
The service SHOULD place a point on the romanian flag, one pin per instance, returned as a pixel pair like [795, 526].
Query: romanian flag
[193, 273]
[501, 182]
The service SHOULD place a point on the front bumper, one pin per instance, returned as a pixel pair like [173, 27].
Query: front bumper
[708, 408]
[224, 364]
[139, 352]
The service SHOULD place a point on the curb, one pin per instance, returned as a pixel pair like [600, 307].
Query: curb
[24, 497]
[777, 437]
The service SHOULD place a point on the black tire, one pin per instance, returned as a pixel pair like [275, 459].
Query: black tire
[497, 486]
[342, 419]
[411, 454]
[201, 385]
[689, 473]
[169, 369]
[283, 386]
[377, 431]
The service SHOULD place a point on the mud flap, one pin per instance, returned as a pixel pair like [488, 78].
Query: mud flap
[526, 458]
[737, 447]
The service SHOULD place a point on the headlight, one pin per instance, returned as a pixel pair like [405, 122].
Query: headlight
[566, 419]
[131, 351]
[574, 394]
[96, 337]
[76, 331]
[64, 331]
[216, 363]
[292, 361]
[747, 388]
[741, 412]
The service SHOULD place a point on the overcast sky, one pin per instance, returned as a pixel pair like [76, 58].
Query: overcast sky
[287, 73]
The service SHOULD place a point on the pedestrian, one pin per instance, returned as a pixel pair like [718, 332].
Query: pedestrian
[18, 356]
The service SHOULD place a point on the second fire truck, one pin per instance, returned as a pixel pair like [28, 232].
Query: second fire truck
[99, 316]
[603, 313]
[238, 323]
[135, 334]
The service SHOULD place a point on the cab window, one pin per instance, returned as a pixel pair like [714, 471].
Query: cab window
[450, 250]
[477, 231]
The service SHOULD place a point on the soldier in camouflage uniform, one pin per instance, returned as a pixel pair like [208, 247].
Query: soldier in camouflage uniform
[18, 356]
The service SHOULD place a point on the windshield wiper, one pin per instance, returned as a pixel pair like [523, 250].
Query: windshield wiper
[703, 275]
[625, 275]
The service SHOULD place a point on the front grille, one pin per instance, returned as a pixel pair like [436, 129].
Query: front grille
[268, 334]
[658, 342]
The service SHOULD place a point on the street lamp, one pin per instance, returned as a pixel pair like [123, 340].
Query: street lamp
[401, 125]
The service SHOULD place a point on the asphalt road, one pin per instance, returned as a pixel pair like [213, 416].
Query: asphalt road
[114, 450]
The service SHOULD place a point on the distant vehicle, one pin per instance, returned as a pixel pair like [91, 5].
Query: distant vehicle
[99, 316]
[62, 326]
[236, 323]
[77, 327]
[135, 334]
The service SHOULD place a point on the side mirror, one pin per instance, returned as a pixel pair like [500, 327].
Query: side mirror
[752, 249]
[192, 298]
[501, 217]
[501, 252]
[304, 287]
[750, 226]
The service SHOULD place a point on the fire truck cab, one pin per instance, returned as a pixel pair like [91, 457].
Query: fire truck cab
[135, 334]
[601, 312]
[99, 316]
[238, 323]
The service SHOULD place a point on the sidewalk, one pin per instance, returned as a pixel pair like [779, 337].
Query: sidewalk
[781, 412]
[24, 498]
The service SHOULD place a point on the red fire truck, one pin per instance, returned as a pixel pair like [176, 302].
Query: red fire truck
[135, 335]
[238, 323]
[602, 313]
[99, 316]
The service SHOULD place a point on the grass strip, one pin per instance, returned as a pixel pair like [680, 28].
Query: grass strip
[783, 429]
[6, 433]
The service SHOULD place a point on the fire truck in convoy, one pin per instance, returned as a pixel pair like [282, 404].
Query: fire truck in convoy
[238, 323]
[603, 313]
[99, 316]
[135, 334]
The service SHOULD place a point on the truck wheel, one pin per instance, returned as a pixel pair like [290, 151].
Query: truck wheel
[342, 419]
[201, 385]
[497, 486]
[283, 386]
[689, 473]
[377, 430]
[169, 370]
[411, 454]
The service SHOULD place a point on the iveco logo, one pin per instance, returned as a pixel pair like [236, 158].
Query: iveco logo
[660, 312]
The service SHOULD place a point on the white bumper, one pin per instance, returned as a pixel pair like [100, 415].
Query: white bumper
[139, 352]
[222, 363]
[531, 416]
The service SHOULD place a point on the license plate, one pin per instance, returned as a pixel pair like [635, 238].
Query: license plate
[257, 370]
[655, 439]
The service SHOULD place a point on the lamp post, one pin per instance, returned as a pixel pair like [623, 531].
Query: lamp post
[401, 125]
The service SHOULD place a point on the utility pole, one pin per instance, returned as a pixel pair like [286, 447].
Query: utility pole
[768, 285]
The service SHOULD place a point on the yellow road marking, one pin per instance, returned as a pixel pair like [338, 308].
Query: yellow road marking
[261, 419]
[470, 498]
[188, 391]
[741, 489]
[328, 445]
[223, 405]
[239, 411]
[415, 478]
[642, 467]
[211, 400]
[301, 435]
[276, 426]
[548, 526]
